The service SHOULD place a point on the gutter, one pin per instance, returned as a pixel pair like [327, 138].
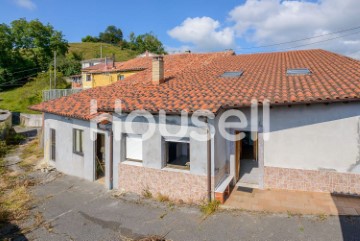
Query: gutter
[208, 161]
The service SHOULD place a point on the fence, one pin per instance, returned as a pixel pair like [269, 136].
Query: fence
[57, 93]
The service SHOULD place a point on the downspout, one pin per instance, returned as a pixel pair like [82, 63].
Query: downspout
[208, 160]
[111, 158]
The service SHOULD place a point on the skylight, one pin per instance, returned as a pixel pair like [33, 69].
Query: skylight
[299, 71]
[232, 74]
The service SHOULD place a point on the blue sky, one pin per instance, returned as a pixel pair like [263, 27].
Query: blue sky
[202, 25]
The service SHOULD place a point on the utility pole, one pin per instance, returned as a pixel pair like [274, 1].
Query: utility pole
[55, 70]
[50, 75]
[100, 50]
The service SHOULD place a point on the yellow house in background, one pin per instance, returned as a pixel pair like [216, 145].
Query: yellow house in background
[108, 73]
[91, 80]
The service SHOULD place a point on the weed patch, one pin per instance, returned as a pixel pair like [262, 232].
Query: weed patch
[162, 198]
[210, 207]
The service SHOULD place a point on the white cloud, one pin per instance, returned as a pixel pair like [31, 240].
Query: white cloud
[265, 22]
[273, 21]
[204, 33]
[28, 4]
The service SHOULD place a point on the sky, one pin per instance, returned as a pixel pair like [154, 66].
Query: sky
[206, 25]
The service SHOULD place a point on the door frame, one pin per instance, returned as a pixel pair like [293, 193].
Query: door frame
[259, 146]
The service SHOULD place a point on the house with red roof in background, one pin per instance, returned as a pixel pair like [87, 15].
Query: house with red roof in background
[192, 126]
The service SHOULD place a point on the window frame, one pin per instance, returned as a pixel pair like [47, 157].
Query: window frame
[81, 142]
[126, 148]
[52, 144]
[87, 77]
[120, 77]
[173, 166]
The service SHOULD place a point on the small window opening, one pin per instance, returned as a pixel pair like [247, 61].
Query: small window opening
[121, 77]
[178, 154]
[232, 74]
[298, 71]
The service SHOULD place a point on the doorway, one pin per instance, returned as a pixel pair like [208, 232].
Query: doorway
[100, 158]
[247, 164]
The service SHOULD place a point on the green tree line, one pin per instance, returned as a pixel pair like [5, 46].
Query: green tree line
[139, 43]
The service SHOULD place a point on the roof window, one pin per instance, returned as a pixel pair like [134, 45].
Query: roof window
[298, 71]
[232, 74]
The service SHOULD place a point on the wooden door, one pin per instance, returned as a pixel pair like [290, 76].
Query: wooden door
[237, 158]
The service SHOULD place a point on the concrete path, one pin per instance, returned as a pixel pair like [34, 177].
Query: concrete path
[75, 209]
[293, 202]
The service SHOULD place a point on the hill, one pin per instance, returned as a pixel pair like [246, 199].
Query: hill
[19, 99]
[92, 50]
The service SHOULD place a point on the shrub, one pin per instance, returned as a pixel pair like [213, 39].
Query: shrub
[4, 149]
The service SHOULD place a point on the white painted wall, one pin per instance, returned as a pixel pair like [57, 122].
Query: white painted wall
[315, 137]
[67, 161]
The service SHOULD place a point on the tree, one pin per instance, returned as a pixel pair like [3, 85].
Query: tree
[146, 42]
[112, 35]
[69, 65]
[90, 39]
[26, 48]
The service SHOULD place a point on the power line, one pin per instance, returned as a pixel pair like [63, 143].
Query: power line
[321, 41]
[14, 80]
[299, 40]
[24, 70]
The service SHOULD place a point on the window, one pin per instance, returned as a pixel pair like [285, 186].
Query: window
[78, 141]
[232, 74]
[121, 77]
[52, 145]
[88, 77]
[299, 71]
[134, 147]
[178, 154]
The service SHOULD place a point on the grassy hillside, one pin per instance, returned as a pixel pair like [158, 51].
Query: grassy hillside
[19, 99]
[92, 50]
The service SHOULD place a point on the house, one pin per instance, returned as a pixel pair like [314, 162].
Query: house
[75, 80]
[110, 72]
[208, 122]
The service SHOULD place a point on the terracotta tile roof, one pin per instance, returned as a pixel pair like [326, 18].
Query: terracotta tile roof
[193, 82]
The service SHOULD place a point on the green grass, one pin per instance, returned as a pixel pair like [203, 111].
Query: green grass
[92, 50]
[19, 99]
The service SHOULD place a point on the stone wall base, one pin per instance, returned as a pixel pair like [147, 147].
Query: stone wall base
[311, 180]
[178, 186]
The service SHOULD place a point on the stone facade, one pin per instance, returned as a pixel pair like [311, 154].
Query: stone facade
[176, 184]
[312, 180]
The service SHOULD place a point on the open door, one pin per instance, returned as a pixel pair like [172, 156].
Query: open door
[238, 145]
[100, 158]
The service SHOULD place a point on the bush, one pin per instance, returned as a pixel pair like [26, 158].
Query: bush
[14, 138]
[4, 149]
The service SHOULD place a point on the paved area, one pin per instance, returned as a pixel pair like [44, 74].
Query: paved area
[74, 209]
[293, 202]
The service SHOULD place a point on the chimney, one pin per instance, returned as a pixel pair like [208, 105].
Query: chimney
[158, 70]
[113, 61]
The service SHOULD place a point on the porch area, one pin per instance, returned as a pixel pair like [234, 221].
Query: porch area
[292, 202]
